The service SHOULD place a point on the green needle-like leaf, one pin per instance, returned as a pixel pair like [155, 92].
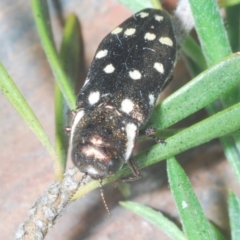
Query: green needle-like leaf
[233, 23]
[137, 5]
[70, 57]
[228, 3]
[210, 29]
[193, 50]
[216, 46]
[156, 218]
[13, 94]
[234, 215]
[40, 11]
[195, 224]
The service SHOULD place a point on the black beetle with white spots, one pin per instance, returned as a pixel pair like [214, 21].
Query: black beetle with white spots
[131, 66]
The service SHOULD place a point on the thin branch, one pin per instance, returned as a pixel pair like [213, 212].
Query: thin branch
[49, 206]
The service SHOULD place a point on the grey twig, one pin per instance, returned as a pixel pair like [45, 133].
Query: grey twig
[49, 206]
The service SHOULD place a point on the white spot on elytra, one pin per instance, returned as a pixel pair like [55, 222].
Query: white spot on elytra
[149, 36]
[116, 30]
[94, 97]
[131, 131]
[102, 53]
[151, 99]
[158, 18]
[166, 41]
[184, 205]
[143, 14]
[129, 31]
[135, 74]
[109, 68]
[159, 67]
[76, 120]
[127, 105]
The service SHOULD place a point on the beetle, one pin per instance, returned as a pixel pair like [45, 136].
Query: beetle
[131, 66]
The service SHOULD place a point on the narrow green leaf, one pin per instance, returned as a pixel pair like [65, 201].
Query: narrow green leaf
[215, 126]
[13, 94]
[61, 118]
[156, 218]
[234, 215]
[70, 50]
[193, 68]
[233, 26]
[70, 58]
[228, 3]
[195, 225]
[217, 233]
[124, 189]
[40, 12]
[193, 50]
[231, 150]
[215, 44]
[137, 5]
[210, 29]
[156, 4]
[209, 86]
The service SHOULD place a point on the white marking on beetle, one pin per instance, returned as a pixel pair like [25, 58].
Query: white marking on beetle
[151, 99]
[92, 151]
[149, 36]
[117, 30]
[127, 105]
[145, 48]
[166, 41]
[109, 68]
[135, 74]
[96, 140]
[106, 94]
[94, 97]
[102, 53]
[131, 131]
[184, 205]
[129, 31]
[143, 14]
[76, 120]
[109, 106]
[159, 67]
[158, 18]
[92, 171]
[86, 82]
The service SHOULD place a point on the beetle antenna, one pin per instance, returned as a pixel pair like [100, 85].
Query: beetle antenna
[103, 198]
